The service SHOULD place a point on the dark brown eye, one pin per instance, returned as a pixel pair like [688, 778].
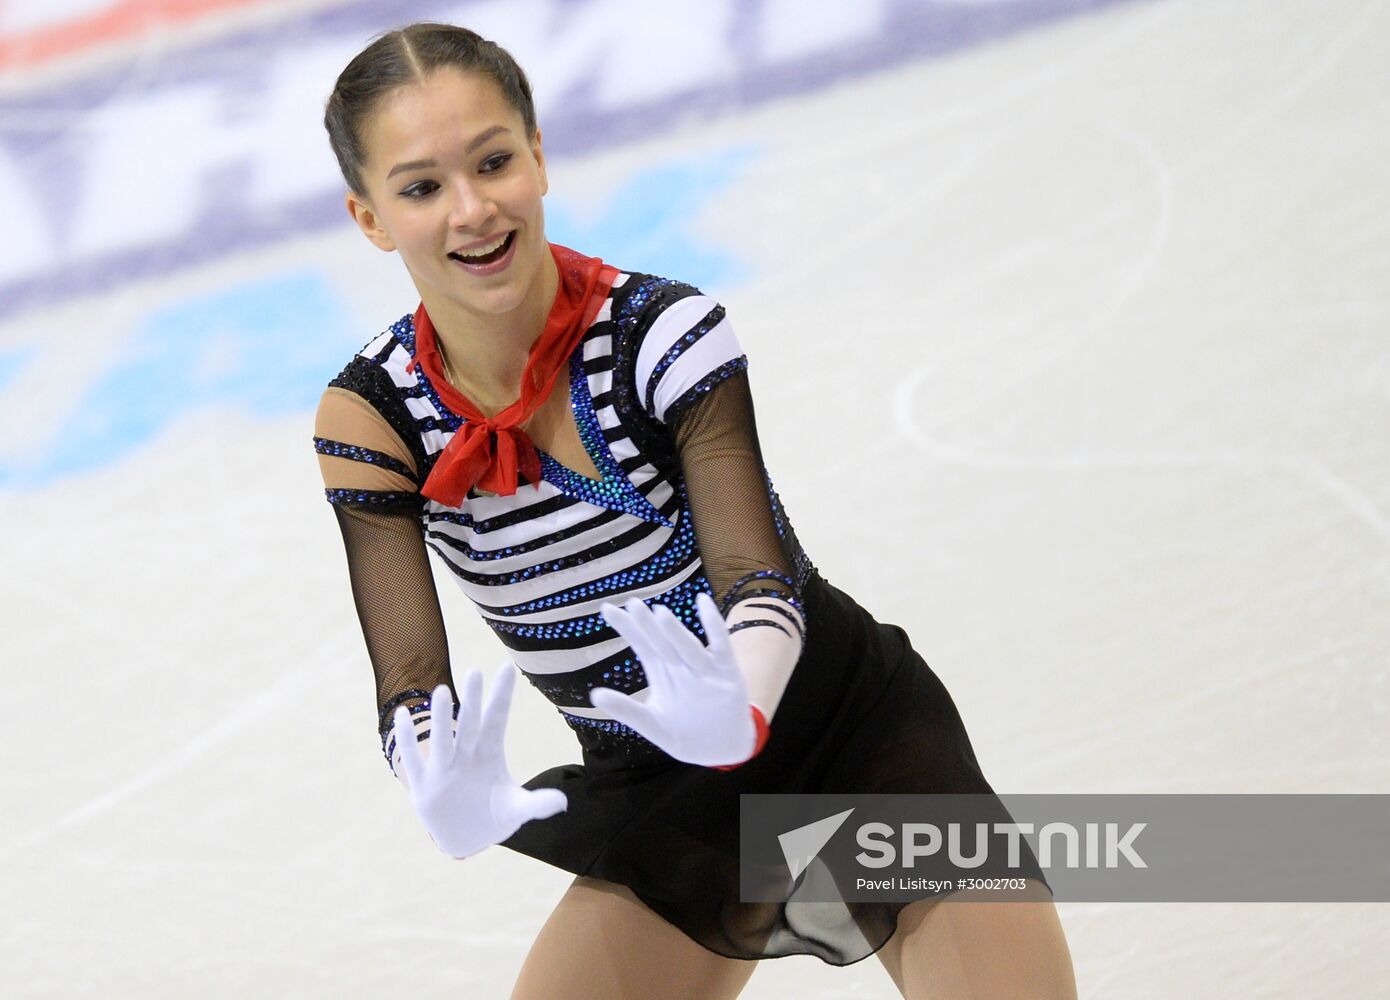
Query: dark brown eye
[495, 163]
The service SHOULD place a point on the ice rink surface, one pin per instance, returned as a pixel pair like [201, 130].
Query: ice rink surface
[1070, 355]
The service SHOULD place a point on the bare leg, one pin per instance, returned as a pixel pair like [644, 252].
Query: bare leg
[601, 941]
[967, 948]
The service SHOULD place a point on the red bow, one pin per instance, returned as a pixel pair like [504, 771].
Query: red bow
[489, 451]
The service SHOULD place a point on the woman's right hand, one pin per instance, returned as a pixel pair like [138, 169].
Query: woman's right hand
[462, 790]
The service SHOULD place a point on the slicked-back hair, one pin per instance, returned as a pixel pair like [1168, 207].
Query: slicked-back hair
[410, 55]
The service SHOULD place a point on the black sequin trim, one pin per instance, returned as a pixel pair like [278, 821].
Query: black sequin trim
[780, 609]
[794, 599]
[400, 499]
[752, 622]
[688, 340]
[373, 383]
[635, 307]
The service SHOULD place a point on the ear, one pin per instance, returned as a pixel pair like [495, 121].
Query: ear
[362, 214]
[540, 160]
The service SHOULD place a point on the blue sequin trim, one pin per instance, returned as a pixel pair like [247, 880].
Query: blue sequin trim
[383, 718]
[700, 388]
[573, 687]
[680, 599]
[634, 308]
[636, 300]
[404, 331]
[612, 728]
[386, 725]
[615, 490]
[327, 446]
[374, 498]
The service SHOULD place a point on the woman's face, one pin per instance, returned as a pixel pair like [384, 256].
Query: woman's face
[454, 184]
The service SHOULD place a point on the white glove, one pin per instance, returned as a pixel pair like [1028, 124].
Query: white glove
[462, 790]
[696, 705]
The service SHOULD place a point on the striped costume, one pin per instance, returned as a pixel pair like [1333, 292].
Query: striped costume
[660, 394]
[540, 563]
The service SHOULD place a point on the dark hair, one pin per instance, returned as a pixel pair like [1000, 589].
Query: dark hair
[409, 55]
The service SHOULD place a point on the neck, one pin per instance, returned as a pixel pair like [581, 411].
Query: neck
[489, 351]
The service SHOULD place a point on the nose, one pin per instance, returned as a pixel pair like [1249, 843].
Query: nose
[471, 208]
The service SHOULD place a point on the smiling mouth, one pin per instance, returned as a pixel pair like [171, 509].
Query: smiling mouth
[486, 255]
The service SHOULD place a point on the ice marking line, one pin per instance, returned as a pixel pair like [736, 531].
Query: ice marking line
[1086, 225]
[1074, 338]
[1167, 176]
[1017, 256]
[1318, 68]
[259, 707]
[1068, 63]
[1237, 682]
[793, 275]
[1354, 500]
[1299, 466]
[1302, 467]
[910, 132]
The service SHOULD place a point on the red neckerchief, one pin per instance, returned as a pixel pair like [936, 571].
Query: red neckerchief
[489, 451]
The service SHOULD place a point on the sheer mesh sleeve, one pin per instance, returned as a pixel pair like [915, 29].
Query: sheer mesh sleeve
[746, 560]
[742, 552]
[370, 479]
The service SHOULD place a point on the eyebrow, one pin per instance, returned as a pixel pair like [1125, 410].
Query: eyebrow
[422, 164]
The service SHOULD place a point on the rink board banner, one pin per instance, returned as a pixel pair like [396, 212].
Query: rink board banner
[1090, 848]
[181, 153]
[38, 34]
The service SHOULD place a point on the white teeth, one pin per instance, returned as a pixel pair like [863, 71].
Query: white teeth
[482, 251]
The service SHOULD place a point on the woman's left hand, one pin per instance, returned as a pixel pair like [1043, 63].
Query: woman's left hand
[696, 705]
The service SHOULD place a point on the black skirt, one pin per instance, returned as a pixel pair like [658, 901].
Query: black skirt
[862, 713]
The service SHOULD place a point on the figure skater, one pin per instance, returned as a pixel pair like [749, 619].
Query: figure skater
[577, 444]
